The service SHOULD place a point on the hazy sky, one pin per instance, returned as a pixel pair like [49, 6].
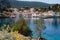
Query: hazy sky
[46, 1]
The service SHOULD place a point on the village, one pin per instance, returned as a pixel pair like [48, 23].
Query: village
[23, 20]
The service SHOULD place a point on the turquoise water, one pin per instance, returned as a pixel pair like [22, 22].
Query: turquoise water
[52, 31]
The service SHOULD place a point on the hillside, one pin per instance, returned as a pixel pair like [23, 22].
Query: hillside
[29, 4]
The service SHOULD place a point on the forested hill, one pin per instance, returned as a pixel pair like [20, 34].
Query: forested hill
[29, 4]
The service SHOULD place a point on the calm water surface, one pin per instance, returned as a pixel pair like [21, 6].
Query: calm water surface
[52, 31]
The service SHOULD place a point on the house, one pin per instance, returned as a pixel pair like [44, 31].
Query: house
[36, 15]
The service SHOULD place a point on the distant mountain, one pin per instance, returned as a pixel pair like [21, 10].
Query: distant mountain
[29, 4]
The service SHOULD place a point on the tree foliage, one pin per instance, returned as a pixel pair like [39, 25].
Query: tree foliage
[22, 28]
[4, 4]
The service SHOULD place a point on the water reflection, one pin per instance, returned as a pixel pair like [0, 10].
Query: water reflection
[55, 20]
[52, 31]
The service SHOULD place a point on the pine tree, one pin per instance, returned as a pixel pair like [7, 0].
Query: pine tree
[22, 28]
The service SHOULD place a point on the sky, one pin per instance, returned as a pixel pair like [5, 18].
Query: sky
[45, 1]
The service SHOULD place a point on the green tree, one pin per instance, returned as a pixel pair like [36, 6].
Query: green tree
[22, 28]
[4, 4]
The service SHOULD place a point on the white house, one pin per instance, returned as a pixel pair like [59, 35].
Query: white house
[35, 16]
